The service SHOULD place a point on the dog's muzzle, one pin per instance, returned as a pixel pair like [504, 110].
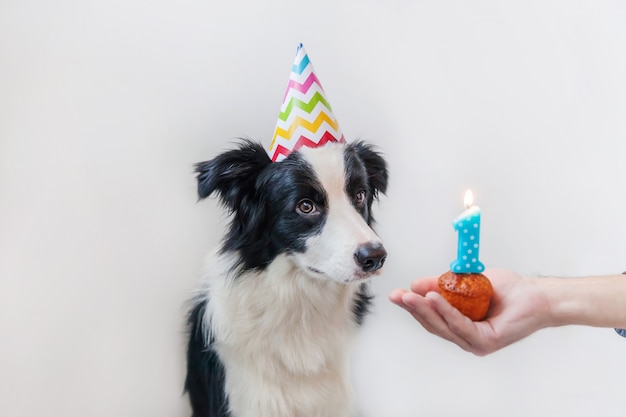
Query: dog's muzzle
[370, 256]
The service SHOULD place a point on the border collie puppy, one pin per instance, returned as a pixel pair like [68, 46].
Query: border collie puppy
[271, 327]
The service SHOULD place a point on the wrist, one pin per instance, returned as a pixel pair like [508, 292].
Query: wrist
[562, 304]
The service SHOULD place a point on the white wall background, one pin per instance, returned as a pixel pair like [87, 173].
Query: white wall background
[105, 106]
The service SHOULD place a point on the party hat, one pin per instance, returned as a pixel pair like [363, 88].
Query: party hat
[306, 118]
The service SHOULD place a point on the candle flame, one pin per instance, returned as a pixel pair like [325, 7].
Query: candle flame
[469, 199]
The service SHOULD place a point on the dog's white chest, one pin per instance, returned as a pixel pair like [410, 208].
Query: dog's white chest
[284, 340]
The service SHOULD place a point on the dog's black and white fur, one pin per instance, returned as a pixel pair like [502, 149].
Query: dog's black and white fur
[271, 328]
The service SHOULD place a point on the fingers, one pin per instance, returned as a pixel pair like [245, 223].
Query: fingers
[422, 286]
[395, 296]
[424, 311]
[474, 338]
[438, 317]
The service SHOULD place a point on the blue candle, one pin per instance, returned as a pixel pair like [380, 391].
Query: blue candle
[468, 227]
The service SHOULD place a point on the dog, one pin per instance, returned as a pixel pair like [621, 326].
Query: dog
[271, 327]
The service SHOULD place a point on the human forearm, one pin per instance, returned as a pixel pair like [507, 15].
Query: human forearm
[598, 301]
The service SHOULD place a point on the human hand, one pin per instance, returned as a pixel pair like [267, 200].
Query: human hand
[518, 308]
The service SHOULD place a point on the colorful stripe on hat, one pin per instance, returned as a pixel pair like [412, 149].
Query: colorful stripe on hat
[305, 118]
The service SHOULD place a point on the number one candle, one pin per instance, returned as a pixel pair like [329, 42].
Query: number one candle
[468, 227]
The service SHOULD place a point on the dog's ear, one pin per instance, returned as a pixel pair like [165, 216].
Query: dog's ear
[375, 166]
[232, 174]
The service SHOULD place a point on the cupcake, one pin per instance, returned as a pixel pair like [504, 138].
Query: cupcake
[468, 293]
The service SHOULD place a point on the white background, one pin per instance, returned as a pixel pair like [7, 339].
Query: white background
[105, 106]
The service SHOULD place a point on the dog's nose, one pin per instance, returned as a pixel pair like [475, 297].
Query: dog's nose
[370, 256]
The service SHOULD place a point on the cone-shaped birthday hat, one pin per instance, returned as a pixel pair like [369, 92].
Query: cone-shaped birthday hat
[306, 118]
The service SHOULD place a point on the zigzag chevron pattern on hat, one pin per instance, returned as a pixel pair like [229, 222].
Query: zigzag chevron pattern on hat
[305, 118]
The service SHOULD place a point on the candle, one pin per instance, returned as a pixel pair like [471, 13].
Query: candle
[468, 227]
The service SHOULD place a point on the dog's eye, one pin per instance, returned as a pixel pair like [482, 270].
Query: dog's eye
[359, 198]
[306, 206]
